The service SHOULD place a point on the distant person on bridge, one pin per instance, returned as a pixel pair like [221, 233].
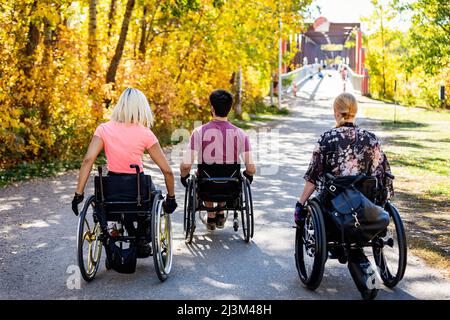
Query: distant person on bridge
[218, 142]
[345, 150]
[344, 76]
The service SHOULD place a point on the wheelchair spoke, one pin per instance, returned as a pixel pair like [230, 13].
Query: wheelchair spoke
[162, 243]
[94, 247]
[89, 243]
[390, 250]
[87, 225]
[309, 244]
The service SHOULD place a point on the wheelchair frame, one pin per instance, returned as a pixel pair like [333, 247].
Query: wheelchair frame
[311, 243]
[193, 204]
[98, 236]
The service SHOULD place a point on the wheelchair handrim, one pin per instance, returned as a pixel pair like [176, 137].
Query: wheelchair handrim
[245, 213]
[186, 192]
[91, 236]
[308, 247]
[384, 256]
[309, 243]
[252, 217]
[190, 214]
[165, 237]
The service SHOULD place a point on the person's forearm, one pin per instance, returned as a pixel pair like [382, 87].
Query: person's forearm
[307, 192]
[83, 176]
[170, 183]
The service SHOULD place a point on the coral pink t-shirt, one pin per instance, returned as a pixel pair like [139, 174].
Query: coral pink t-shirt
[124, 144]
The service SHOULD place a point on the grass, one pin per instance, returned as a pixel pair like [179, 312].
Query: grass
[417, 144]
[262, 115]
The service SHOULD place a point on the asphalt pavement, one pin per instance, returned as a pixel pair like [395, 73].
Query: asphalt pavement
[38, 232]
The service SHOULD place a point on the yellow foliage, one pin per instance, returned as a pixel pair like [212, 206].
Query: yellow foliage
[176, 53]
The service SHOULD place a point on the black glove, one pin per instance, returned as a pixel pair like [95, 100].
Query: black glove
[300, 214]
[170, 204]
[184, 181]
[77, 199]
[249, 177]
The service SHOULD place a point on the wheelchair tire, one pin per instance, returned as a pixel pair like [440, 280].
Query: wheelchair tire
[369, 294]
[310, 242]
[189, 213]
[90, 233]
[161, 239]
[395, 236]
[252, 217]
[186, 192]
[246, 212]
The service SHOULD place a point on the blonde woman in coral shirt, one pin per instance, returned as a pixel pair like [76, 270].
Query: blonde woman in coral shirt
[125, 138]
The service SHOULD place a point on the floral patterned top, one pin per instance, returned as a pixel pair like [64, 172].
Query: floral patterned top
[337, 152]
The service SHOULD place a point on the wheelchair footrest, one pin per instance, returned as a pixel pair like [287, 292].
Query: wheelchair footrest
[217, 208]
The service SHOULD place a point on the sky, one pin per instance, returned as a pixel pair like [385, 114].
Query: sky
[350, 11]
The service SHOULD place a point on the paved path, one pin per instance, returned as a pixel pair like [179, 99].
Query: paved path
[38, 232]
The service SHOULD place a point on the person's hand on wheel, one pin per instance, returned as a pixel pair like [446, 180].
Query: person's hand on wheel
[77, 199]
[184, 181]
[170, 204]
[300, 214]
[248, 176]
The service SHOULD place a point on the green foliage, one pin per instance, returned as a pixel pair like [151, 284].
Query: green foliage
[429, 35]
[418, 60]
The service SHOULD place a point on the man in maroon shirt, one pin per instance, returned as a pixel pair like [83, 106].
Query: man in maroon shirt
[218, 142]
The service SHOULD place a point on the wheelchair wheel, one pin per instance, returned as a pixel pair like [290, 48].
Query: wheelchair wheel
[189, 210]
[185, 217]
[161, 239]
[247, 212]
[252, 217]
[390, 250]
[310, 247]
[89, 244]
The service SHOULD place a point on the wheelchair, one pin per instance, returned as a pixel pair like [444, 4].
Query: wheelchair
[218, 183]
[320, 236]
[132, 203]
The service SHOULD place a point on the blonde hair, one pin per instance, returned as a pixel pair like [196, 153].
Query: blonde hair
[133, 107]
[346, 105]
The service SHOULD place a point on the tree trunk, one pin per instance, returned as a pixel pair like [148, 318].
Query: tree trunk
[150, 26]
[33, 38]
[92, 37]
[142, 42]
[112, 69]
[238, 106]
[112, 11]
[272, 76]
[383, 52]
[49, 41]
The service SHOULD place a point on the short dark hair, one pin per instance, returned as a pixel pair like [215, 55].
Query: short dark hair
[221, 100]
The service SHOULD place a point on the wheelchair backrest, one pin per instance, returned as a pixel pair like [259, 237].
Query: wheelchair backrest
[121, 190]
[219, 182]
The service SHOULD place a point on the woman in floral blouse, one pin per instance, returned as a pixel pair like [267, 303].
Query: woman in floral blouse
[343, 151]
[338, 152]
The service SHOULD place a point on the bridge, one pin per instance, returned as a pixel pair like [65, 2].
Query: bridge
[325, 46]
